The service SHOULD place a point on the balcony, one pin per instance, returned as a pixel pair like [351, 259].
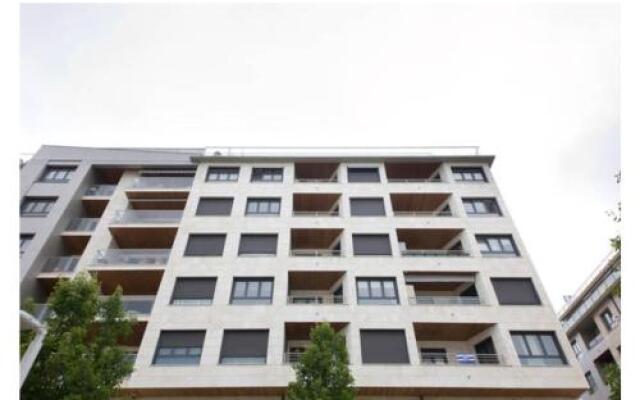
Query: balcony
[298, 338]
[316, 204]
[315, 287]
[137, 271]
[145, 228]
[162, 182]
[100, 190]
[148, 217]
[457, 344]
[61, 265]
[432, 288]
[96, 197]
[431, 242]
[421, 204]
[138, 306]
[413, 172]
[152, 258]
[82, 225]
[77, 234]
[315, 242]
[316, 172]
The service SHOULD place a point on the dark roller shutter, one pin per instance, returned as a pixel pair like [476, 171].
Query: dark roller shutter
[371, 245]
[258, 244]
[367, 207]
[181, 338]
[214, 206]
[384, 347]
[515, 291]
[194, 288]
[205, 245]
[363, 175]
[244, 343]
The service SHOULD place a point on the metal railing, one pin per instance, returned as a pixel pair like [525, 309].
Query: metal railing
[83, 224]
[444, 300]
[413, 180]
[142, 257]
[162, 182]
[329, 213]
[148, 216]
[100, 190]
[460, 359]
[315, 253]
[422, 213]
[434, 253]
[61, 264]
[292, 357]
[595, 341]
[326, 299]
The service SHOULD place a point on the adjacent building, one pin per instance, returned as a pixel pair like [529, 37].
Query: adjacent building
[591, 320]
[229, 256]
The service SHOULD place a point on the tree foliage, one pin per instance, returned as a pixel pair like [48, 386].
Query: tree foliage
[613, 379]
[323, 370]
[80, 358]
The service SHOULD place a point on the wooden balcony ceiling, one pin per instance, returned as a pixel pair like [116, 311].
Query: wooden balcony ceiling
[138, 282]
[314, 201]
[418, 201]
[427, 238]
[407, 170]
[158, 194]
[313, 280]
[75, 243]
[108, 176]
[158, 204]
[447, 331]
[302, 330]
[316, 170]
[94, 207]
[156, 237]
[313, 238]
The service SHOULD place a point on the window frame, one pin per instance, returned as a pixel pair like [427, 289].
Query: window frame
[262, 200]
[516, 279]
[224, 242]
[29, 203]
[376, 168]
[473, 201]
[253, 254]
[545, 356]
[356, 199]
[66, 170]
[25, 241]
[252, 300]
[258, 174]
[263, 361]
[192, 301]
[158, 348]
[353, 241]
[199, 212]
[593, 386]
[484, 239]
[383, 299]
[609, 323]
[406, 360]
[223, 170]
[459, 174]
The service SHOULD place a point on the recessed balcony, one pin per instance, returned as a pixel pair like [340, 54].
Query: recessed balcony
[456, 344]
[431, 243]
[413, 172]
[316, 242]
[316, 172]
[434, 288]
[137, 258]
[316, 204]
[145, 228]
[137, 271]
[96, 197]
[316, 287]
[162, 182]
[298, 338]
[77, 234]
[421, 204]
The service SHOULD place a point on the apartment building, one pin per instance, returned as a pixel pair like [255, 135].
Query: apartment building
[591, 320]
[229, 256]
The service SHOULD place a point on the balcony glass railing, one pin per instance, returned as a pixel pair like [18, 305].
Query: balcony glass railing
[139, 257]
[414, 180]
[444, 300]
[423, 213]
[100, 190]
[83, 224]
[327, 213]
[148, 216]
[326, 299]
[315, 253]
[464, 359]
[138, 306]
[434, 253]
[594, 342]
[61, 264]
[163, 182]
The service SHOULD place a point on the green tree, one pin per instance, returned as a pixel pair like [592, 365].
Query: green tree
[613, 379]
[323, 370]
[80, 358]
[616, 215]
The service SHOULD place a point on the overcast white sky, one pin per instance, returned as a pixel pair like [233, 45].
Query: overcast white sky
[536, 85]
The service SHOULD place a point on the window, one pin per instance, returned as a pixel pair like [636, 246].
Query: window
[252, 291]
[258, 244]
[383, 347]
[367, 207]
[205, 245]
[37, 206]
[60, 174]
[592, 382]
[483, 206]
[371, 245]
[377, 291]
[515, 291]
[25, 239]
[470, 174]
[576, 347]
[433, 356]
[244, 347]
[266, 175]
[263, 206]
[609, 320]
[179, 348]
[363, 175]
[538, 348]
[193, 291]
[223, 174]
[214, 206]
[498, 245]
